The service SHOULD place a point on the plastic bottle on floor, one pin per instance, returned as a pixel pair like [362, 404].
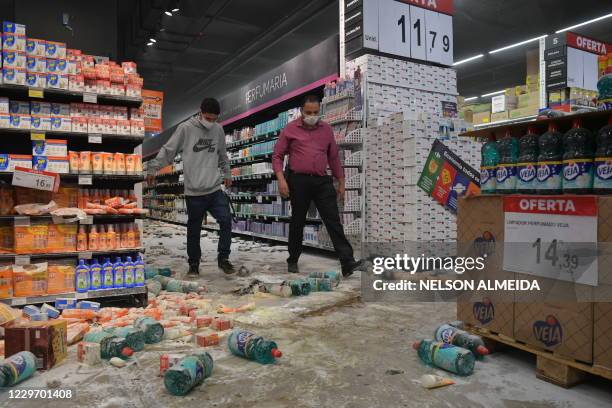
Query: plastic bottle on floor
[118, 274]
[550, 161]
[578, 160]
[134, 338]
[300, 287]
[488, 166]
[320, 285]
[252, 347]
[526, 168]
[452, 335]
[82, 278]
[110, 345]
[279, 289]
[128, 270]
[334, 276]
[189, 372]
[153, 330]
[446, 356]
[95, 273]
[107, 274]
[139, 272]
[602, 182]
[17, 368]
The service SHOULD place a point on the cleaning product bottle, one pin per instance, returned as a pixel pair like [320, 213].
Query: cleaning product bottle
[446, 356]
[300, 287]
[124, 236]
[279, 289]
[95, 275]
[139, 272]
[320, 285]
[128, 269]
[488, 166]
[526, 170]
[136, 230]
[118, 274]
[335, 276]
[453, 335]
[17, 368]
[134, 338]
[93, 238]
[117, 236]
[130, 236]
[189, 372]
[82, 239]
[84, 198]
[252, 347]
[82, 278]
[577, 160]
[506, 168]
[152, 329]
[111, 237]
[602, 183]
[110, 345]
[95, 197]
[102, 243]
[550, 161]
[107, 274]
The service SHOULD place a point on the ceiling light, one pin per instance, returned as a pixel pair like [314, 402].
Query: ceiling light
[153, 40]
[168, 13]
[174, 10]
[150, 43]
[583, 24]
[518, 44]
[463, 61]
[492, 93]
[471, 98]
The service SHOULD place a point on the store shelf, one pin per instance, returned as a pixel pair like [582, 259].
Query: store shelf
[53, 134]
[95, 177]
[71, 254]
[253, 196]
[352, 116]
[253, 140]
[96, 217]
[61, 95]
[266, 217]
[251, 159]
[338, 97]
[263, 176]
[94, 294]
[175, 173]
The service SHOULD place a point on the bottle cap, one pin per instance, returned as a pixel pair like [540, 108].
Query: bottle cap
[416, 345]
[508, 132]
[127, 352]
[482, 350]
[531, 130]
[492, 137]
[276, 353]
[552, 127]
[576, 123]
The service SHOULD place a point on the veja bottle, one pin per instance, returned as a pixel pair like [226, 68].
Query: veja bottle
[82, 243]
[95, 275]
[488, 166]
[602, 182]
[506, 168]
[252, 347]
[452, 335]
[577, 160]
[550, 161]
[118, 274]
[17, 368]
[93, 239]
[107, 274]
[110, 345]
[139, 272]
[82, 278]
[189, 372]
[446, 356]
[128, 268]
[526, 168]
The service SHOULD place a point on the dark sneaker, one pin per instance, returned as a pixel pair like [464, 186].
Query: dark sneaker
[226, 265]
[349, 268]
[194, 270]
[293, 268]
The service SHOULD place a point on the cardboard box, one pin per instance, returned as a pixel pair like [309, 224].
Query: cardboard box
[602, 335]
[482, 117]
[35, 47]
[13, 76]
[496, 117]
[13, 59]
[46, 340]
[523, 112]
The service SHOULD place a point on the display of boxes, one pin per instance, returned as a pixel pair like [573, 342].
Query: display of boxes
[20, 121]
[58, 81]
[19, 160]
[13, 76]
[79, 125]
[63, 124]
[13, 59]
[50, 147]
[19, 107]
[40, 123]
[13, 42]
[36, 79]
[40, 108]
[35, 47]
[55, 49]
[76, 83]
[46, 340]
[60, 109]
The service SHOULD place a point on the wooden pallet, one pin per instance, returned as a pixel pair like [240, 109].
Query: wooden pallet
[550, 367]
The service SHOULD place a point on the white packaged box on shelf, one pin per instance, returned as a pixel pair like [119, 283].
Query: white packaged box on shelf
[13, 59]
[137, 127]
[13, 42]
[36, 79]
[4, 105]
[50, 147]
[35, 47]
[5, 120]
[19, 107]
[79, 124]
[124, 127]
[58, 165]
[20, 121]
[60, 109]
[76, 83]
[40, 122]
[54, 49]
[19, 160]
[13, 76]
[63, 124]
[40, 108]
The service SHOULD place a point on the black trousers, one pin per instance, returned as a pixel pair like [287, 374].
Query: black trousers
[304, 189]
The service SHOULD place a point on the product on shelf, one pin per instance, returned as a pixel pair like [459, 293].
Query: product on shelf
[526, 170]
[506, 169]
[578, 146]
[86, 162]
[602, 183]
[30, 280]
[60, 277]
[550, 161]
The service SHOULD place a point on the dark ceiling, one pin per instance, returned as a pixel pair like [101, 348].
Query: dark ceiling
[212, 47]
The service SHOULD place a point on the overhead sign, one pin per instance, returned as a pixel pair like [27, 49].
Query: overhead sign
[152, 103]
[572, 61]
[552, 237]
[417, 29]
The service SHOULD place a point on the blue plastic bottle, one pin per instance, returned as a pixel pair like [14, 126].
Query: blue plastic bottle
[118, 274]
[95, 275]
[107, 274]
[82, 277]
[128, 268]
[578, 160]
[139, 272]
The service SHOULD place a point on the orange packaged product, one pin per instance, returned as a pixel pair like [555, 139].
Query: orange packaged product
[85, 162]
[7, 238]
[130, 164]
[60, 278]
[76, 332]
[119, 159]
[29, 195]
[7, 201]
[114, 202]
[31, 239]
[97, 162]
[6, 281]
[66, 197]
[62, 238]
[86, 314]
[109, 210]
[30, 280]
[131, 205]
[73, 159]
[108, 163]
[94, 211]
[154, 313]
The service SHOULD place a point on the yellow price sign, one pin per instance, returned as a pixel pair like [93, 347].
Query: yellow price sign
[37, 136]
[35, 93]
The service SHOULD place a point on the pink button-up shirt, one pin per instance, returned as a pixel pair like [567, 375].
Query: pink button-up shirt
[310, 150]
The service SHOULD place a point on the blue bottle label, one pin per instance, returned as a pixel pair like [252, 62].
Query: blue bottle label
[488, 182]
[549, 175]
[118, 272]
[527, 175]
[577, 174]
[108, 277]
[242, 340]
[506, 177]
[603, 172]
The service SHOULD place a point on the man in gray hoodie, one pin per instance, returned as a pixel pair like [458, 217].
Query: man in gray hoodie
[206, 167]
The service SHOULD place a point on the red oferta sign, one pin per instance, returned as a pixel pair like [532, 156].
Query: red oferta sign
[441, 6]
[587, 44]
[561, 205]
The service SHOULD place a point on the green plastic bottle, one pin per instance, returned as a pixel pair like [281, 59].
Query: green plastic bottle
[187, 373]
[252, 347]
[17, 368]
[320, 285]
[134, 338]
[446, 356]
[110, 345]
[508, 149]
[334, 276]
[488, 166]
[300, 287]
[153, 330]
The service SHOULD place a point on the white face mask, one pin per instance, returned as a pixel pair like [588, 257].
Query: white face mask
[206, 123]
[310, 120]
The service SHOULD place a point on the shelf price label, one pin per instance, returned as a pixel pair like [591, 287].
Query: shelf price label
[552, 237]
[35, 93]
[22, 260]
[85, 180]
[39, 180]
[89, 97]
[85, 255]
[20, 301]
[37, 136]
[95, 138]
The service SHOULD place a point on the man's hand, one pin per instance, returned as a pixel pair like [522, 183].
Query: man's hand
[228, 182]
[341, 189]
[283, 188]
[150, 180]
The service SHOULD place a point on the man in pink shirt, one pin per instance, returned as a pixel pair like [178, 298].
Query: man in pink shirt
[311, 147]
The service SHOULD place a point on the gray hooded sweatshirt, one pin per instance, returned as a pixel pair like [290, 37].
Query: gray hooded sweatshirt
[205, 162]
